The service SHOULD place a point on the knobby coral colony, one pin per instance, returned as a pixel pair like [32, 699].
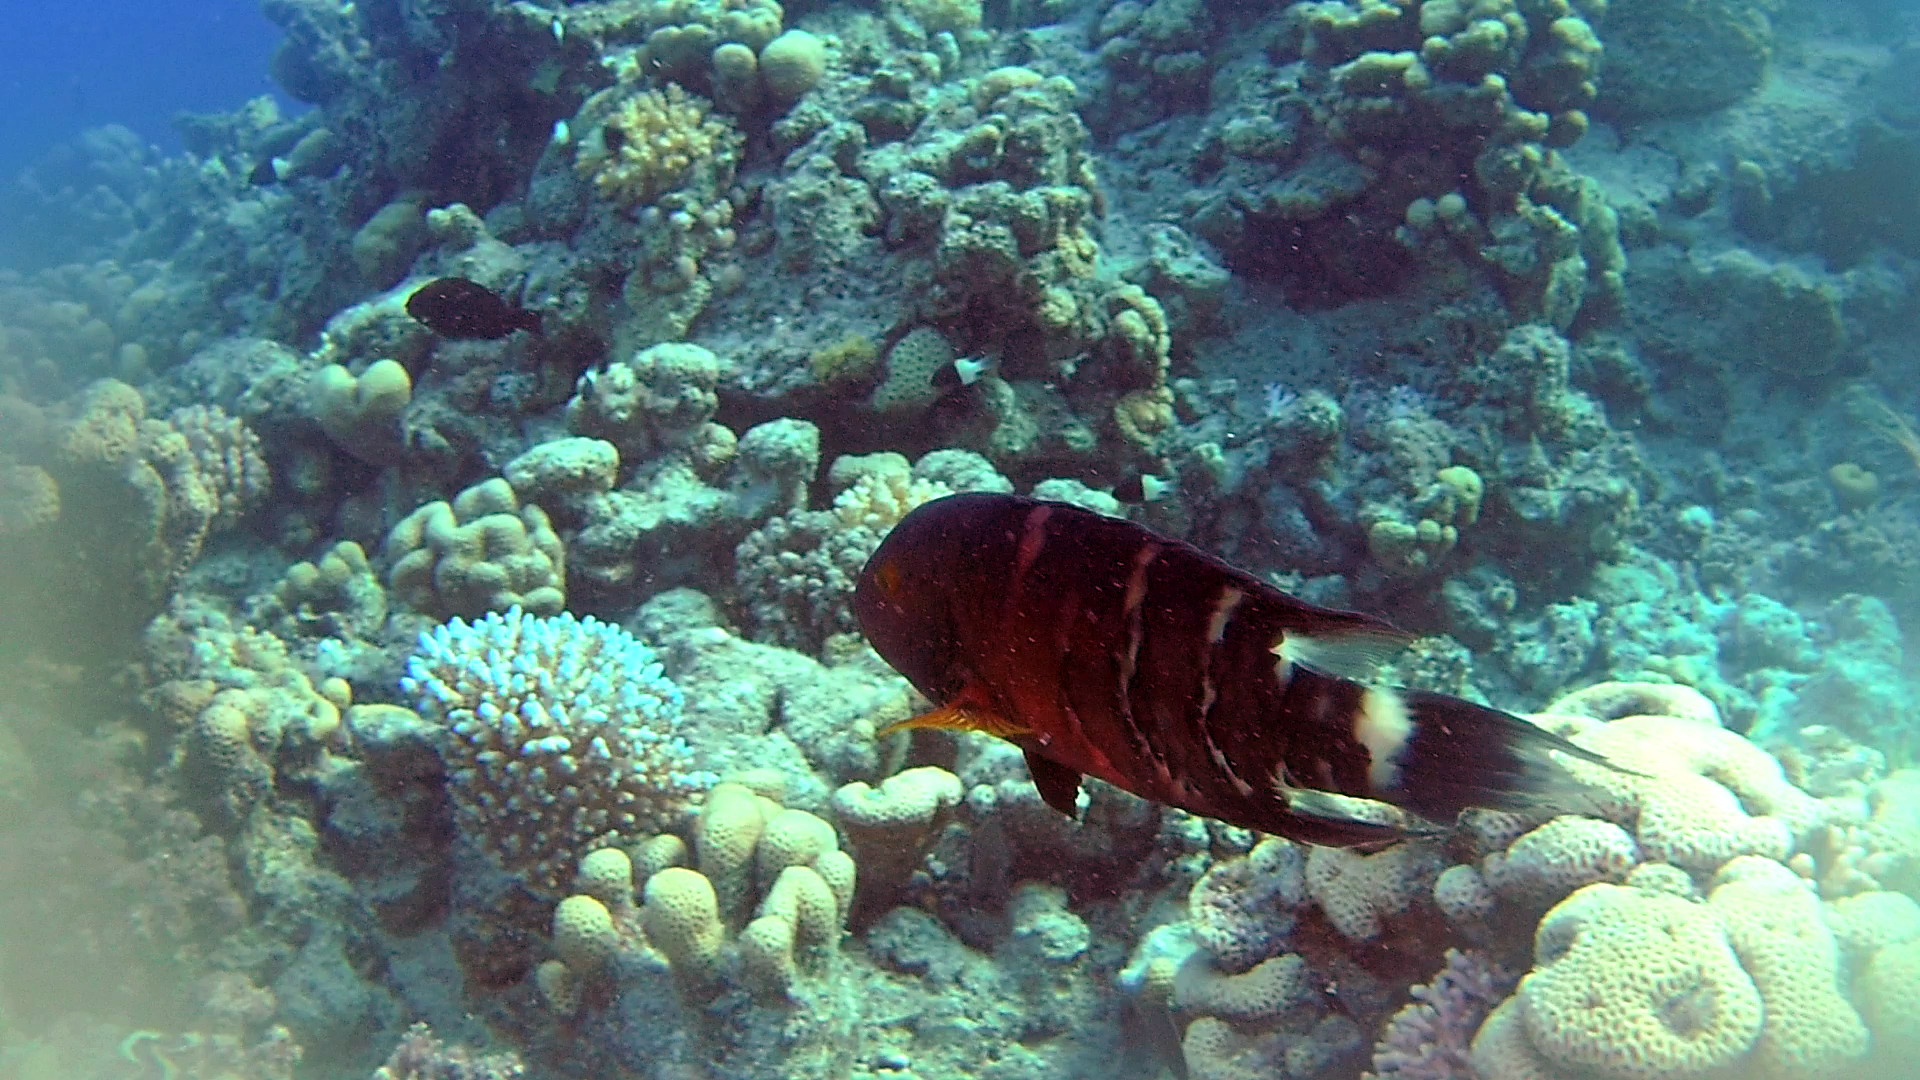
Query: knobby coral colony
[1052, 371]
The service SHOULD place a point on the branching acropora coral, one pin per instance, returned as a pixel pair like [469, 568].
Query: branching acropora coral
[562, 735]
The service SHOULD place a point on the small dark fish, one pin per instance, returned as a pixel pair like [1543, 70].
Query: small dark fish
[461, 310]
[264, 174]
[1101, 647]
[960, 374]
[1141, 487]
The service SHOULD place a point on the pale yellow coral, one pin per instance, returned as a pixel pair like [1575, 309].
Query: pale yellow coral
[1263, 992]
[105, 429]
[1890, 987]
[584, 934]
[1559, 857]
[361, 413]
[791, 838]
[650, 143]
[1356, 891]
[682, 920]
[725, 835]
[1777, 927]
[1630, 985]
[607, 876]
[904, 801]
[1698, 795]
[29, 499]
[482, 552]
[878, 500]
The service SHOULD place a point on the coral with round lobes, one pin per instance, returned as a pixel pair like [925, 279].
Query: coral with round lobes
[1630, 983]
[561, 735]
[792, 63]
[337, 595]
[1699, 794]
[702, 922]
[29, 499]
[481, 552]
[361, 413]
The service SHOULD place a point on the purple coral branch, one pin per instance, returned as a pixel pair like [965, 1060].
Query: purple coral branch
[1429, 1038]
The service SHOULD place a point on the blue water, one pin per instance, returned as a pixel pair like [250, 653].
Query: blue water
[69, 66]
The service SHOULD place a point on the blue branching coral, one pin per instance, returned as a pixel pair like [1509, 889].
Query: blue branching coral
[561, 734]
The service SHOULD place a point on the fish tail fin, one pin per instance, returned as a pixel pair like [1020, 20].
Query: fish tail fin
[1443, 755]
[529, 320]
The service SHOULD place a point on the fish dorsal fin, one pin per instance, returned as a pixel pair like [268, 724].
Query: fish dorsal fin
[958, 716]
[1356, 654]
[1059, 785]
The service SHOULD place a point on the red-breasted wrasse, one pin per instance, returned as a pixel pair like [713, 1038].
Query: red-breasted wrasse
[1102, 648]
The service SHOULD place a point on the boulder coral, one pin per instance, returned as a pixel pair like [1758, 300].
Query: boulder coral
[361, 413]
[111, 506]
[1688, 934]
[481, 552]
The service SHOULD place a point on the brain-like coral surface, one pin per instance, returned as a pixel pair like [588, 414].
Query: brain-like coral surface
[560, 734]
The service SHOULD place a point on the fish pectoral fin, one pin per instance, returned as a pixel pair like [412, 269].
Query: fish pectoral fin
[1059, 785]
[957, 716]
[1356, 654]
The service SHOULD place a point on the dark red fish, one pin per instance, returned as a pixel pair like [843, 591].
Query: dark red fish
[1102, 648]
[467, 311]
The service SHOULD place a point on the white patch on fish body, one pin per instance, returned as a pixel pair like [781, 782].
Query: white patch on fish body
[1223, 609]
[1383, 726]
[970, 368]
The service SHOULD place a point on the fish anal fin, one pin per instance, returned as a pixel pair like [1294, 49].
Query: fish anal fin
[1368, 822]
[1357, 654]
[957, 716]
[1059, 785]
